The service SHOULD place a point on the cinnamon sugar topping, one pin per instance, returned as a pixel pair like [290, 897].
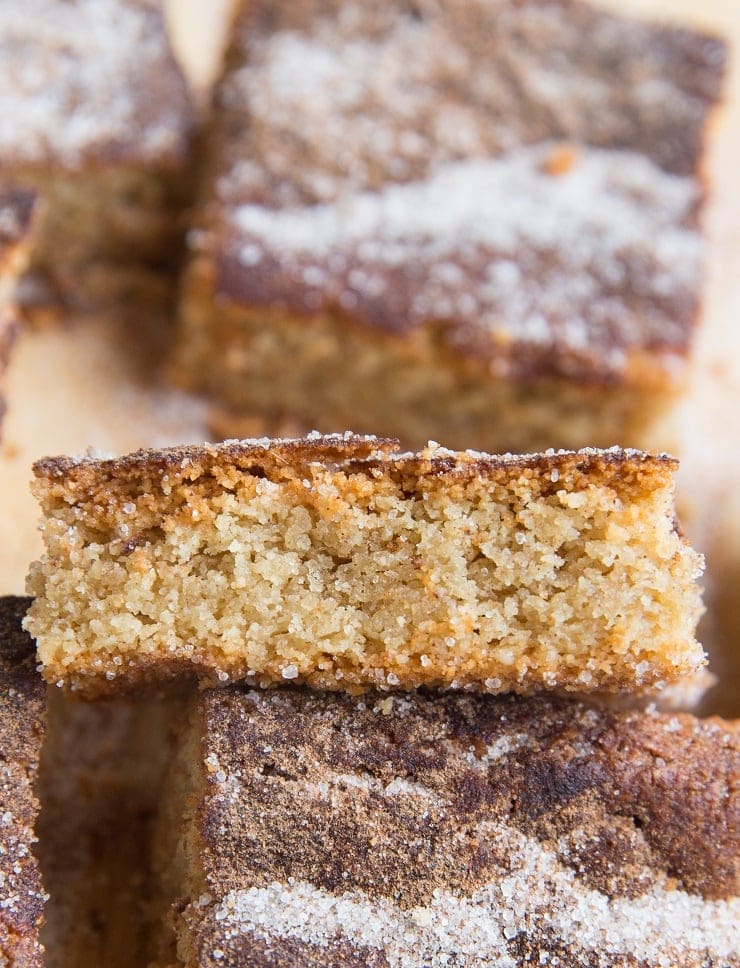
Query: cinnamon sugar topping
[88, 80]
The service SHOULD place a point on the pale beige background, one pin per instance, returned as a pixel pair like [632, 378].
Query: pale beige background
[93, 382]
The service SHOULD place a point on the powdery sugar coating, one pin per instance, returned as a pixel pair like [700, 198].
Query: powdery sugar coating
[662, 927]
[105, 68]
[595, 262]
[341, 96]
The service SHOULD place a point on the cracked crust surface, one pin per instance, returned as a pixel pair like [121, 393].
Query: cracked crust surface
[22, 703]
[338, 830]
[362, 453]
[340, 562]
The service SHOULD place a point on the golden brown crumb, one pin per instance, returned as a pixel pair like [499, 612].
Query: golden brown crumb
[338, 562]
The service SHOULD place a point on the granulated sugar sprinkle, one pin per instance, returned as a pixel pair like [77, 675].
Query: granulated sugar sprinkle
[503, 246]
[539, 895]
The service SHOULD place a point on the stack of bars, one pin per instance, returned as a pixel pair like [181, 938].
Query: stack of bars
[308, 805]
[323, 701]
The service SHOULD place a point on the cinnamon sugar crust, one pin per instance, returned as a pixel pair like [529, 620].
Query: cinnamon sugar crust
[22, 694]
[340, 562]
[107, 68]
[354, 451]
[437, 830]
[592, 274]
[115, 175]
[408, 87]
[463, 210]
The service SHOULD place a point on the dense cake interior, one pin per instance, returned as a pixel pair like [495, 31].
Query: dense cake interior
[251, 560]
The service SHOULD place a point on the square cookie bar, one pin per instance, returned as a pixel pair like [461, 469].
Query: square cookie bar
[22, 694]
[475, 222]
[339, 562]
[96, 117]
[303, 830]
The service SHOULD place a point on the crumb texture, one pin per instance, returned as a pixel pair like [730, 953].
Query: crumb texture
[21, 728]
[105, 66]
[328, 562]
[474, 830]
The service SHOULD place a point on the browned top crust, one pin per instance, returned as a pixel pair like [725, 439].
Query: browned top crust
[422, 172]
[521, 827]
[21, 728]
[276, 458]
[103, 66]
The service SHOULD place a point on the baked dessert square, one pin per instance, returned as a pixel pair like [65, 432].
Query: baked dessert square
[475, 222]
[97, 118]
[339, 562]
[22, 695]
[304, 829]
